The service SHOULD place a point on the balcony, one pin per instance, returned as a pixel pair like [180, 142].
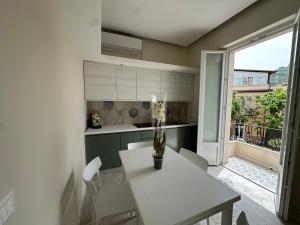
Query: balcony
[254, 153]
[251, 83]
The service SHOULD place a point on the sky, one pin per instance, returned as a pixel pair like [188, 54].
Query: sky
[267, 55]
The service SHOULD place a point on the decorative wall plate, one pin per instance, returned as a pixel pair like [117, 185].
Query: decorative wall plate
[108, 105]
[133, 112]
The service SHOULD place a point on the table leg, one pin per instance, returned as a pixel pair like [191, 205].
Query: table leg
[227, 216]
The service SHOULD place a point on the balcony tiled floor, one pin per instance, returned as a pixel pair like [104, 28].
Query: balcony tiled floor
[260, 175]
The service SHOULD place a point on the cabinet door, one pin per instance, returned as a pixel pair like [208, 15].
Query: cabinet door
[173, 138]
[148, 83]
[178, 86]
[130, 137]
[189, 137]
[182, 137]
[106, 146]
[126, 83]
[147, 135]
[100, 81]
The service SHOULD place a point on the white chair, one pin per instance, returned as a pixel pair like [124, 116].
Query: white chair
[139, 145]
[194, 158]
[203, 164]
[197, 160]
[106, 200]
[242, 219]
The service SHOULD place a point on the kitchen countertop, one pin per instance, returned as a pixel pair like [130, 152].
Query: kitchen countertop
[106, 129]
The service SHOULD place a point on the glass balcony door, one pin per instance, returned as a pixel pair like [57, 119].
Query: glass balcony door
[211, 111]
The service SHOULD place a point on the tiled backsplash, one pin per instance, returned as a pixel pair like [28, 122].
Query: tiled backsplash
[134, 112]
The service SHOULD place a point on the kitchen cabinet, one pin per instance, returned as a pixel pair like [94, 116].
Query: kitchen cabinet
[188, 136]
[177, 86]
[107, 146]
[183, 137]
[108, 82]
[100, 81]
[147, 135]
[126, 83]
[148, 84]
[129, 137]
[173, 138]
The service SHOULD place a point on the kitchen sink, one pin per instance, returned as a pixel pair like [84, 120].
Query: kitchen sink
[169, 123]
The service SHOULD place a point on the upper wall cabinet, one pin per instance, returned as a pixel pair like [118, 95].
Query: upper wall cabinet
[100, 81]
[126, 83]
[148, 84]
[108, 82]
[177, 86]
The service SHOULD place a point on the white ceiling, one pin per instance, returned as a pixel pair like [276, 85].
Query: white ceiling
[175, 21]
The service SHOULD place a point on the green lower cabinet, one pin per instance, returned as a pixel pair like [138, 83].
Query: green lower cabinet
[106, 146]
[189, 137]
[182, 137]
[130, 137]
[147, 135]
[173, 138]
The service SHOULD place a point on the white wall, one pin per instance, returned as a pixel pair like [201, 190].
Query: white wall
[41, 114]
[163, 52]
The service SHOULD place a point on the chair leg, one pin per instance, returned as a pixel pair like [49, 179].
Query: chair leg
[207, 221]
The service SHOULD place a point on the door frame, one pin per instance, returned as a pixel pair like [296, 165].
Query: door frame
[292, 122]
[286, 26]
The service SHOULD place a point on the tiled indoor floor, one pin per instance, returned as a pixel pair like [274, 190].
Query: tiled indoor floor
[253, 201]
[260, 175]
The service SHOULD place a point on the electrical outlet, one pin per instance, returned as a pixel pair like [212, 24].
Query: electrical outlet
[7, 206]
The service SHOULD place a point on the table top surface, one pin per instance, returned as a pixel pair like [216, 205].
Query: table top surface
[179, 193]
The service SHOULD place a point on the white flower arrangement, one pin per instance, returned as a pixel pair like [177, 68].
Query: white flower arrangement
[159, 112]
[159, 109]
[159, 141]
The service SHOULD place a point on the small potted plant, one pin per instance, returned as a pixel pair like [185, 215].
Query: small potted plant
[159, 141]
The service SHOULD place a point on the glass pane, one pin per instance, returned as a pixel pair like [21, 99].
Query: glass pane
[213, 79]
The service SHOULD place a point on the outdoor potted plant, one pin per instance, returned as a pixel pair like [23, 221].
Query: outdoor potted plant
[159, 141]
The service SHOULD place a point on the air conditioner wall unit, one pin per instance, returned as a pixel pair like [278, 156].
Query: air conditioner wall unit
[116, 43]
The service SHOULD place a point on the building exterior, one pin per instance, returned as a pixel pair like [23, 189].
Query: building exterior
[246, 81]
[251, 83]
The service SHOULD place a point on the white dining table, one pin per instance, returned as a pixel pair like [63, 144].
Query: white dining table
[179, 193]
